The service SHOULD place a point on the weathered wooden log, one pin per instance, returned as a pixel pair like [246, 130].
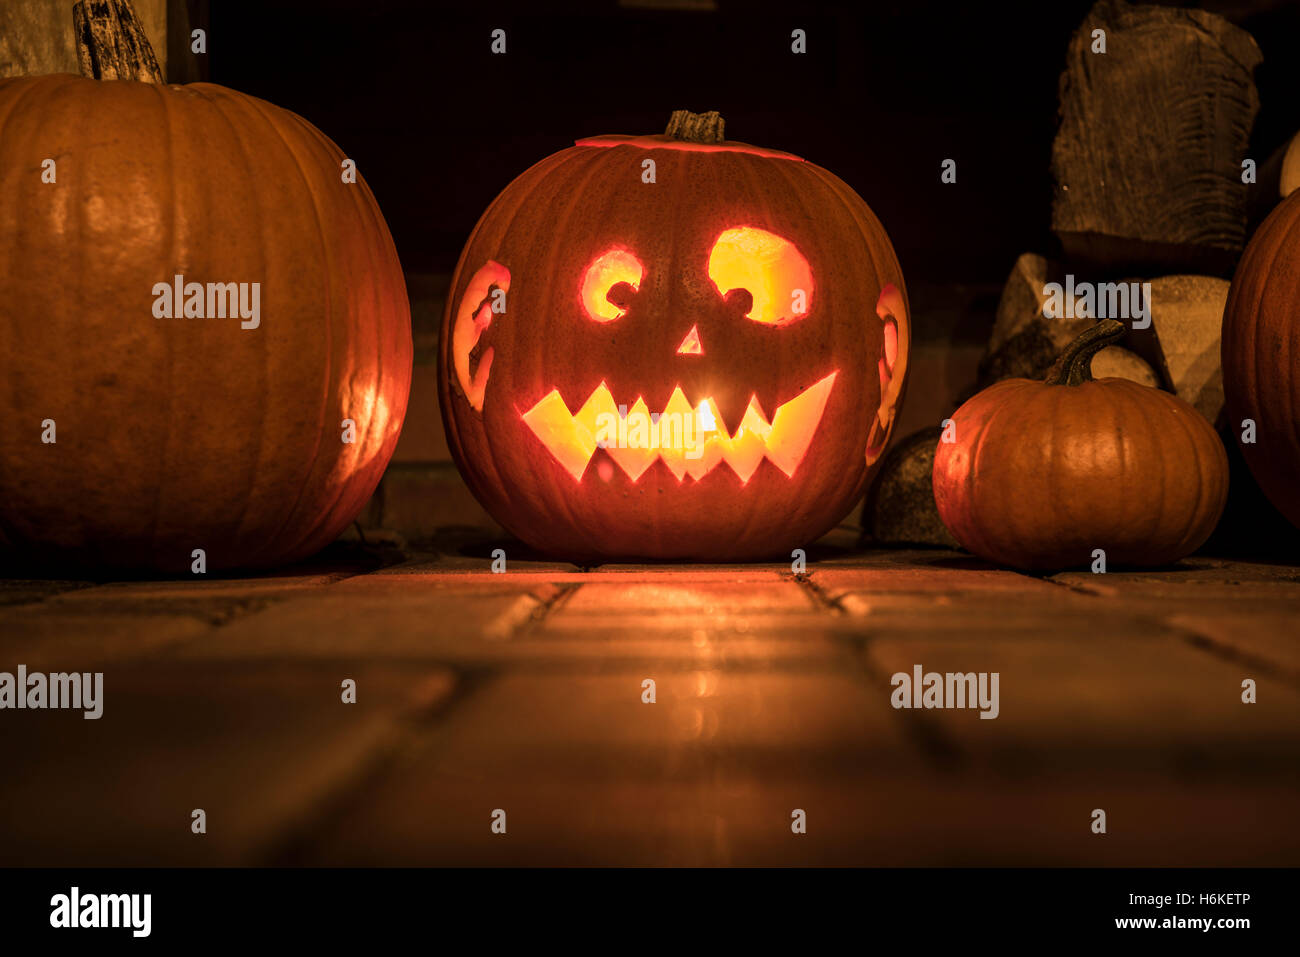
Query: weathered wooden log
[1147, 159]
[112, 44]
[900, 507]
[35, 39]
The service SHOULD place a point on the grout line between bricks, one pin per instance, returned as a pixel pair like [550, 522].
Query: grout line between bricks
[1202, 642]
[940, 751]
[1069, 586]
[1225, 652]
[545, 607]
[819, 597]
[411, 736]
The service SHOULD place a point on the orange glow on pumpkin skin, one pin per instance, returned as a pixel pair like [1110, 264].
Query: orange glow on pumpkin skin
[683, 146]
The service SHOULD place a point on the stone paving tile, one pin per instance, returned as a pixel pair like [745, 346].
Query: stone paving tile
[455, 567]
[1038, 613]
[687, 626]
[1193, 579]
[710, 775]
[854, 821]
[869, 820]
[522, 691]
[461, 570]
[200, 588]
[382, 621]
[1151, 822]
[550, 747]
[545, 650]
[575, 726]
[961, 576]
[764, 623]
[1092, 707]
[1207, 569]
[1268, 635]
[682, 595]
[74, 639]
[870, 556]
[703, 571]
[475, 630]
[22, 591]
[258, 749]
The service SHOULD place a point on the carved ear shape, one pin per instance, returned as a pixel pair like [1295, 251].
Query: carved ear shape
[767, 267]
[472, 318]
[892, 364]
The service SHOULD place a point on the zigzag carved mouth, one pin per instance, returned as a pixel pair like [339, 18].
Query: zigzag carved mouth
[687, 438]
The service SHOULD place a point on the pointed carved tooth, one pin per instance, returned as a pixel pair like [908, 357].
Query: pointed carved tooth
[745, 454]
[744, 451]
[599, 415]
[795, 423]
[566, 438]
[729, 411]
[677, 433]
[755, 418]
[708, 422]
[640, 452]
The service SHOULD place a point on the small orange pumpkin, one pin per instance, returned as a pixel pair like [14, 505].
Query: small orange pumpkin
[1041, 474]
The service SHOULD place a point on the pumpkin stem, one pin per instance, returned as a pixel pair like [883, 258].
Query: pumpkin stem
[111, 44]
[696, 127]
[1074, 366]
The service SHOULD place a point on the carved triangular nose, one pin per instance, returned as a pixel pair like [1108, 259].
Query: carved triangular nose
[691, 345]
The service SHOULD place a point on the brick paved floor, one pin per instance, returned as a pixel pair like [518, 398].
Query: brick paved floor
[523, 691]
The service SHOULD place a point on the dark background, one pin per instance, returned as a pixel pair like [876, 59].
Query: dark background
[439, 125]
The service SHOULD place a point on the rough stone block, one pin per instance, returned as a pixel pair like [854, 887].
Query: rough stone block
[900, 507]
[1187, 315]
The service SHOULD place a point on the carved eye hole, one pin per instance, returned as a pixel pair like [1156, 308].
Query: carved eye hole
[763, 274]
[609, 284]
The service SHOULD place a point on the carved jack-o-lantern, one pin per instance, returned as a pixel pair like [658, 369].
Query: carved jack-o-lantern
[673, 346]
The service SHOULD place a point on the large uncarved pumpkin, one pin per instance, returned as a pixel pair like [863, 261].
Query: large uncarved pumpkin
[1261, 357]
[629, 292]
[133, 440]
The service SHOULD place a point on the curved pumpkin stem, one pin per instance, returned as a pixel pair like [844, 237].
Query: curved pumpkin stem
[111, 43]
[1074, 365]
[696, 127]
